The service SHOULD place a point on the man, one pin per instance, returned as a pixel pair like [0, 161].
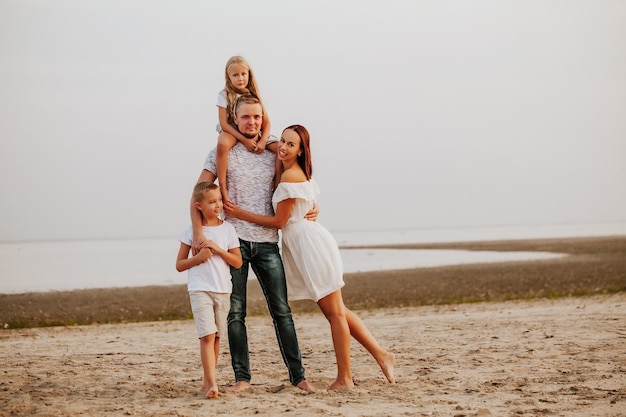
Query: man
[250, 179]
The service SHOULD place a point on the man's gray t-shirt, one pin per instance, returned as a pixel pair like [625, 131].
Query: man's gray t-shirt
[250, 178]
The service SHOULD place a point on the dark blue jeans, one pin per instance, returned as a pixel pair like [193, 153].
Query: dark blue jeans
[268, 267]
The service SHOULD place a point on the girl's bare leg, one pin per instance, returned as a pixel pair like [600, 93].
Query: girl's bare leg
[333, 308]
[279, 164]
[358, 330]
[225, 142]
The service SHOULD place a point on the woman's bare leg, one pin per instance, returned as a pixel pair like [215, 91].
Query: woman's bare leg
[333, 308]
[358, 330]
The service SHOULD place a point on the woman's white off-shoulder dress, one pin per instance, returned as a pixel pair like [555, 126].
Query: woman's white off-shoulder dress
[310, 254]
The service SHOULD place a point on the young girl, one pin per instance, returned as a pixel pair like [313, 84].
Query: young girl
[311, 258]
[239, 80]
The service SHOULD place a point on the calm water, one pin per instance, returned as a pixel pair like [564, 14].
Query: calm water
[61, 265]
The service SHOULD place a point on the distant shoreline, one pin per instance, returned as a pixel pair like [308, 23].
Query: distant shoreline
[596, 266]
[75, 265]
[67, 265]
[367, 238]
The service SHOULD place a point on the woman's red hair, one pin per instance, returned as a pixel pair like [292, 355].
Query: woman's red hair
[304, 160]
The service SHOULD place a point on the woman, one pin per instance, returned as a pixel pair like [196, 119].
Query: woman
[311, 257]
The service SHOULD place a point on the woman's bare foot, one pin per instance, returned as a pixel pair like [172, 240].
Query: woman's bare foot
[387, 364]
[305, 386]
[341, 385]
[239, 386]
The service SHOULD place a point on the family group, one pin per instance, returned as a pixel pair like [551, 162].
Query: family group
[265, 184]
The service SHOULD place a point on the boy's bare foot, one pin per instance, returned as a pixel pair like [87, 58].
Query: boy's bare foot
[387, 365]
[212, 393]
[341, 385]
[305, 386]
[239, 386]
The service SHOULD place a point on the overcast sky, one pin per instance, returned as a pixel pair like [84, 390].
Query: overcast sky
[423, 114]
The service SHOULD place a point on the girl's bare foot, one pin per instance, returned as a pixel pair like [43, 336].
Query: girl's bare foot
[239, 386]
[341, 385]
[387, 364]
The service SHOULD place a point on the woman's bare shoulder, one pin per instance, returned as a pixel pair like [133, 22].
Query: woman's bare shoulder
[293, 175]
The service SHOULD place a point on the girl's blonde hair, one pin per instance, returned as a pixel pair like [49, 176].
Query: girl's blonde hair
[231, 91]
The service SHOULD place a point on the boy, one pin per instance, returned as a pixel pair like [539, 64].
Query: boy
[209, 283]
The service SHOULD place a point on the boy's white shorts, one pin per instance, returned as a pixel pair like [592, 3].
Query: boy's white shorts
[210, 312]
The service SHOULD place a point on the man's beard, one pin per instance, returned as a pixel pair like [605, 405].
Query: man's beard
[250, 135]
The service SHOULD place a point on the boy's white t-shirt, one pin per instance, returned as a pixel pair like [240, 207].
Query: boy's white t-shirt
[214, 274]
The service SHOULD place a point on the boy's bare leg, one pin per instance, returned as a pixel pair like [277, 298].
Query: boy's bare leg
[208, 358]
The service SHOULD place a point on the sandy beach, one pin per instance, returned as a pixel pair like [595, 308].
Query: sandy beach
[514, 339]
[563, 357]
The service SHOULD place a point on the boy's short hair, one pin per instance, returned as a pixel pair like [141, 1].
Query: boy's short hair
[201, 188]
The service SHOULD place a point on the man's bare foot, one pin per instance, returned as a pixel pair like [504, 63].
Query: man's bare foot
[239, 386]
[305, 386]
[341, 385]
[387, 365]
[212, 393]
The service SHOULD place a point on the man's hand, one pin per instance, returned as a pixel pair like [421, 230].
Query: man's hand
[211, 245]
[312, 214]
[197, 244]
[231, 209]
[204, 254]
[196, 216]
